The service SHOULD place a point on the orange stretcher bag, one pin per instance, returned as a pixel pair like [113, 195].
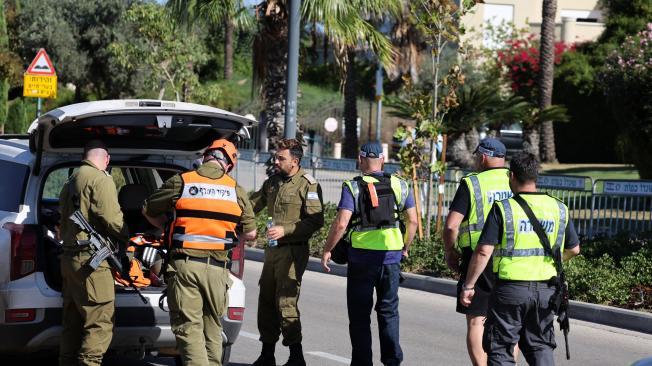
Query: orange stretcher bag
[136, 274]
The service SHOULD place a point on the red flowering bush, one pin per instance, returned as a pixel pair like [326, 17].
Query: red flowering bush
[519, 62]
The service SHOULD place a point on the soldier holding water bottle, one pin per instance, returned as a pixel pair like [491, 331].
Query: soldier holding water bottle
[294, 201]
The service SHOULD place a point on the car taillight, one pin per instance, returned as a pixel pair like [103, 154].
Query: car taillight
[237, 259]
[236, 314]
[20, 315]
[23, 249]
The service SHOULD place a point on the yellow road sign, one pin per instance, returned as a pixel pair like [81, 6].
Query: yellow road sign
[40, 86]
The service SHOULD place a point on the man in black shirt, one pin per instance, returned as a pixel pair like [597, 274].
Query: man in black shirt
[466, 217]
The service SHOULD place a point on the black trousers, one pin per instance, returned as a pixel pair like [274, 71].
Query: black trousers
[520, 314]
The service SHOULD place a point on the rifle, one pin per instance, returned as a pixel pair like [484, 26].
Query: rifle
[103, 248]
[559, 300]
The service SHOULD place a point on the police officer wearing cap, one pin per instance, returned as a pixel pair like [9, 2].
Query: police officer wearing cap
[207, 208]
[467, 214]
[369, 215]
[88, 296]
[294, 202]
[521, 311]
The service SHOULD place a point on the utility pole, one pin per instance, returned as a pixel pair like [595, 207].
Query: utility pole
[293, 71]
[379, 100]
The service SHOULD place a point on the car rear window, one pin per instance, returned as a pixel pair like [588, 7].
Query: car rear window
[187, 133]
[12, 191]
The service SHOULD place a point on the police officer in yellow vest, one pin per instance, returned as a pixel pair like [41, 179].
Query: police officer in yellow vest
[294, 202]
[88, 296]
[371, 206]
[467, 214]
[207, 205]
[521, 312]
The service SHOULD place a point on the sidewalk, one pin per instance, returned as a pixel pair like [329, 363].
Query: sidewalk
[600, 314]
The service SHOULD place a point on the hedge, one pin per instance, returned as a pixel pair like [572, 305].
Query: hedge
[610, 271]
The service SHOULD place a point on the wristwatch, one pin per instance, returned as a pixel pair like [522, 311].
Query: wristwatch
[464, 288]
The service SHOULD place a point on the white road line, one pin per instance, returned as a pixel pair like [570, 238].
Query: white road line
[331, 357]
[249, 335]
[328, 356]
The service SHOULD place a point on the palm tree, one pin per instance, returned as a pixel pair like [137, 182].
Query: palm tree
[229, 14]
[345, 26]
[546, 61]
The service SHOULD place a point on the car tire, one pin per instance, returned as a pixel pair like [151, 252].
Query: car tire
[226, 354]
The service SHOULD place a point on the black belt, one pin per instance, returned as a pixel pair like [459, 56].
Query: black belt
[530, 284]
[291, 244]
[208, 260]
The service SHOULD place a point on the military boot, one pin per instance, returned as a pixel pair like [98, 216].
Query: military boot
[266, 357]
[296, 356]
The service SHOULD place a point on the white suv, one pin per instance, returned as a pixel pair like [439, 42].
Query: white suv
[149, 141]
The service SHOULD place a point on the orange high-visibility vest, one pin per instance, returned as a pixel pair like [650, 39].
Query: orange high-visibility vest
[206, 214]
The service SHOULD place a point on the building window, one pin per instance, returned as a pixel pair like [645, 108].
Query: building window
[495, 16]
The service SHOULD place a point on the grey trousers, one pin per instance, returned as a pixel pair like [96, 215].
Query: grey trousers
[520, 315]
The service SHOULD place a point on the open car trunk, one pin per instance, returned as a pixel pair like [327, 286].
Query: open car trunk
[148, 141]
[135, 185]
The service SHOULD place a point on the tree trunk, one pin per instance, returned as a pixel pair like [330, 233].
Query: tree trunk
[325, 50]
[4, 103]
[547, 64]
[350, 108]
[228, 49]
[273, 44]
[458, 151]
[314, 54]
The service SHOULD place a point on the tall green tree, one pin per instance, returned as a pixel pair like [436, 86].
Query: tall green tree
[343, 25]
[76, 35]
[371, 11]
[159, 51]
[4, 79]
[547, 152]
[228, 14]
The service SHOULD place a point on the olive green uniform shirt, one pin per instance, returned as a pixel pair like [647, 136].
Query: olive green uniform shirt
[164, 199]
[98, 201]
[294, 202]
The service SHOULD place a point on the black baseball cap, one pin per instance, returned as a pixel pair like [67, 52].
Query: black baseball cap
[491, 147]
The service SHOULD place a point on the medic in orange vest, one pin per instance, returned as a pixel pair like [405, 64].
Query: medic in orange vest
[207, 212]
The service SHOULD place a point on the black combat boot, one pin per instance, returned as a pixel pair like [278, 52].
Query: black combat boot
[266, 357]
[296, 356]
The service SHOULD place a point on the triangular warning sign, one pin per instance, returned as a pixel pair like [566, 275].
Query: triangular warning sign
[41, 64]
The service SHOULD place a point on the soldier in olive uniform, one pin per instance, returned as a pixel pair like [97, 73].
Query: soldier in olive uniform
[207, 206]
[294, 201]
[88, 296]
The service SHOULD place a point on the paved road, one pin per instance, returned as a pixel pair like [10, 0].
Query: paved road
[431, 332]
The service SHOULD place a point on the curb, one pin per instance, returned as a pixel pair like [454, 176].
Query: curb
[600, 314]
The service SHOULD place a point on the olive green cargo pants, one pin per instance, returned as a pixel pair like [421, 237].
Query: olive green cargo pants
[280, 282]
[88, 307]
[197, 298]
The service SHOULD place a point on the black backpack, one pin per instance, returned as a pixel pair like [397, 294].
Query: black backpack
[376, 203]
[371, 215]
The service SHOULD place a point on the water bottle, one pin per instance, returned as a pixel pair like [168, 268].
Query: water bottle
[271, 242]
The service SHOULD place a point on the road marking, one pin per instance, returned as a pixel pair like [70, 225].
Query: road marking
[249, 335]
[328, 356]
[331, 357]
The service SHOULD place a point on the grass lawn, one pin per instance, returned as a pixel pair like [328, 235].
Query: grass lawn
[595, 171]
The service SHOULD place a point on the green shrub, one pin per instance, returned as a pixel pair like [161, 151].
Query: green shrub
[597, 281]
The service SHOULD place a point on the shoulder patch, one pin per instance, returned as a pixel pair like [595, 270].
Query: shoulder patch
[313, 196]
[310, 178]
